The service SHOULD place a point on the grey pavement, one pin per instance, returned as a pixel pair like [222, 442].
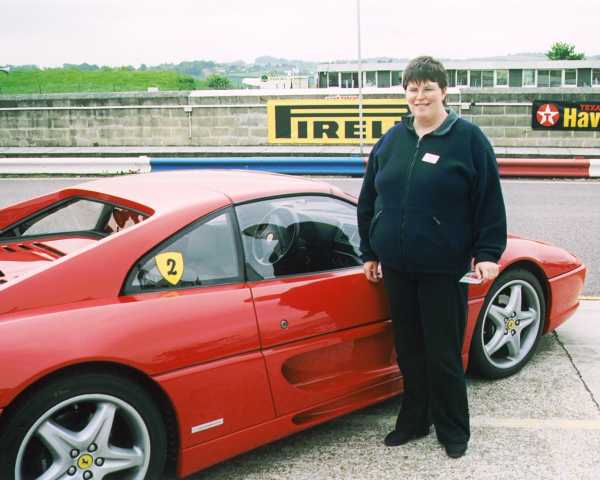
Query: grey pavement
[202, 151]
[580, 338]
[542, 423]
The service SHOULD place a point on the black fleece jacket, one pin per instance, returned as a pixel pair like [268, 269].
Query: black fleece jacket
[432, 204]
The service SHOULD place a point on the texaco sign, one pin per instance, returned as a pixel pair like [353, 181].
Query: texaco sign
[551, 115]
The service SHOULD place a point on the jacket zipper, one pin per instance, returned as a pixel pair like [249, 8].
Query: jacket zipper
[374, 222]
[405, 198]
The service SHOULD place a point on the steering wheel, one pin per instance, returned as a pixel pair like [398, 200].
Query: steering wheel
[275, 235]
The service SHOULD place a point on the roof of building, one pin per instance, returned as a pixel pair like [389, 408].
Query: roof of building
[466, 65]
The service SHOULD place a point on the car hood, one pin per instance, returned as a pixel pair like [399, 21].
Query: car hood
[18, 258]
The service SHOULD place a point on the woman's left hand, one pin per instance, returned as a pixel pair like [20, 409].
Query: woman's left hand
[487, 270]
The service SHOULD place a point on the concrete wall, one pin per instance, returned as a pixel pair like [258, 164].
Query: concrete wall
[235, 118]
[508, 124]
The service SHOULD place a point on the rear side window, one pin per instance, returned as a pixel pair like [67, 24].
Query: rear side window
[205, 253]
[78, 215]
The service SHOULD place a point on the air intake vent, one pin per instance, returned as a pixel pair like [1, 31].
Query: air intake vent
[49, 249]
[1, 279]
[24, 247]
[8, 249]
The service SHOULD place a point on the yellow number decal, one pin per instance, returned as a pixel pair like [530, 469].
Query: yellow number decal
[170, 266]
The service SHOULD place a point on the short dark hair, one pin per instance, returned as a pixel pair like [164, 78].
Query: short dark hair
[422, 69]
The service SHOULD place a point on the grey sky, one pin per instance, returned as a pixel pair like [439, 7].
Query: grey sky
[121, 32]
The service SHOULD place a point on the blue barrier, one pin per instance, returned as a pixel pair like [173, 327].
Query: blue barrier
[290, 165]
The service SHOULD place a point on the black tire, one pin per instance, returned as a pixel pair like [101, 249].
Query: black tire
[487, 357]
[72, 403]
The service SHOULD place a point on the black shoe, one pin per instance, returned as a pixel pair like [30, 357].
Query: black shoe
[456, 450]
[395, 438]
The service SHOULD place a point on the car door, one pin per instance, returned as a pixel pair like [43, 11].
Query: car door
[324, 329]
[200, 318]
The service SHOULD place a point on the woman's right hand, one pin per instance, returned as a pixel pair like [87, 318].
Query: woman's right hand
[372, 271]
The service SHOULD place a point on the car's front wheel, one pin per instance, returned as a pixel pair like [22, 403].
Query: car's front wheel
[509, 326]
[93, 426]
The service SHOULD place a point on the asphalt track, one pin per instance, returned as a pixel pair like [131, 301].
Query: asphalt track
[542, 423]
[563, 212]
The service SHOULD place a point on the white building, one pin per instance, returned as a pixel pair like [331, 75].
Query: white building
[475, 74]
[277, 82]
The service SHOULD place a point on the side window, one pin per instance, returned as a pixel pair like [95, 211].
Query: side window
[298, 235]
[204, 253]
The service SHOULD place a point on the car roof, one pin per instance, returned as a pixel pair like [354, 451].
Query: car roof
[162, 191]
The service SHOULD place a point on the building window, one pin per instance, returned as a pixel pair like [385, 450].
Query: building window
[370, 79]
[355, 79]
[487, 78]
[529, 78]
[482, 78]
[596, 77]
[347, 80]
[570, 77]
[451, 78]
[462, 78]
[333, 79]
[383, 79]
[475, 78]
[502, 78]
[549, 78]
[555, 78]
[396, 78]
[584, 77]
[322, 79]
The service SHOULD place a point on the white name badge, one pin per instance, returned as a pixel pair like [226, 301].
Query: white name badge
[431, 158]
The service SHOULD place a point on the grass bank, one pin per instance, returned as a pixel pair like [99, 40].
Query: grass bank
[61, 80]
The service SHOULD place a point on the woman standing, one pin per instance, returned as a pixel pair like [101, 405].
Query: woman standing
[431, 207]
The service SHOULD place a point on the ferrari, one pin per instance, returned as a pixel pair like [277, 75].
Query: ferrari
[157, 324]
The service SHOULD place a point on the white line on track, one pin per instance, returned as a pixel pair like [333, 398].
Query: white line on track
[563, 181]
[537, 423]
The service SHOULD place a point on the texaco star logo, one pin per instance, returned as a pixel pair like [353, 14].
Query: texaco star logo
[547, 115]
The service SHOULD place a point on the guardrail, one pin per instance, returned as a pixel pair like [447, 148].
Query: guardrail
[289, 165]
[315, 165]
[549, 167]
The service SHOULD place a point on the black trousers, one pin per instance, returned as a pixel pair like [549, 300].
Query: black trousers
[429, 313]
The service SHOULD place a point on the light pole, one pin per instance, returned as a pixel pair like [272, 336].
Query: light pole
[360, 75]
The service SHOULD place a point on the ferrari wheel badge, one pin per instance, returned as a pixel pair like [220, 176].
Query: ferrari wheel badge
[85, 461]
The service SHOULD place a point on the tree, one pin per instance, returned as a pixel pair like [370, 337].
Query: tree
[563, 51]
[218, 82]
[185, 82]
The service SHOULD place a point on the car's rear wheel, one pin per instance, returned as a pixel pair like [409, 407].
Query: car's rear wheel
[93, 426]
[509, 326]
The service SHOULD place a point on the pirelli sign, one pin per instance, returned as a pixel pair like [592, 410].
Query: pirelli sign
[551, 115]
[332, 121]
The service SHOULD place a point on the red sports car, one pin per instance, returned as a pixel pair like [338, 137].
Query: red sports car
[173, 320]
